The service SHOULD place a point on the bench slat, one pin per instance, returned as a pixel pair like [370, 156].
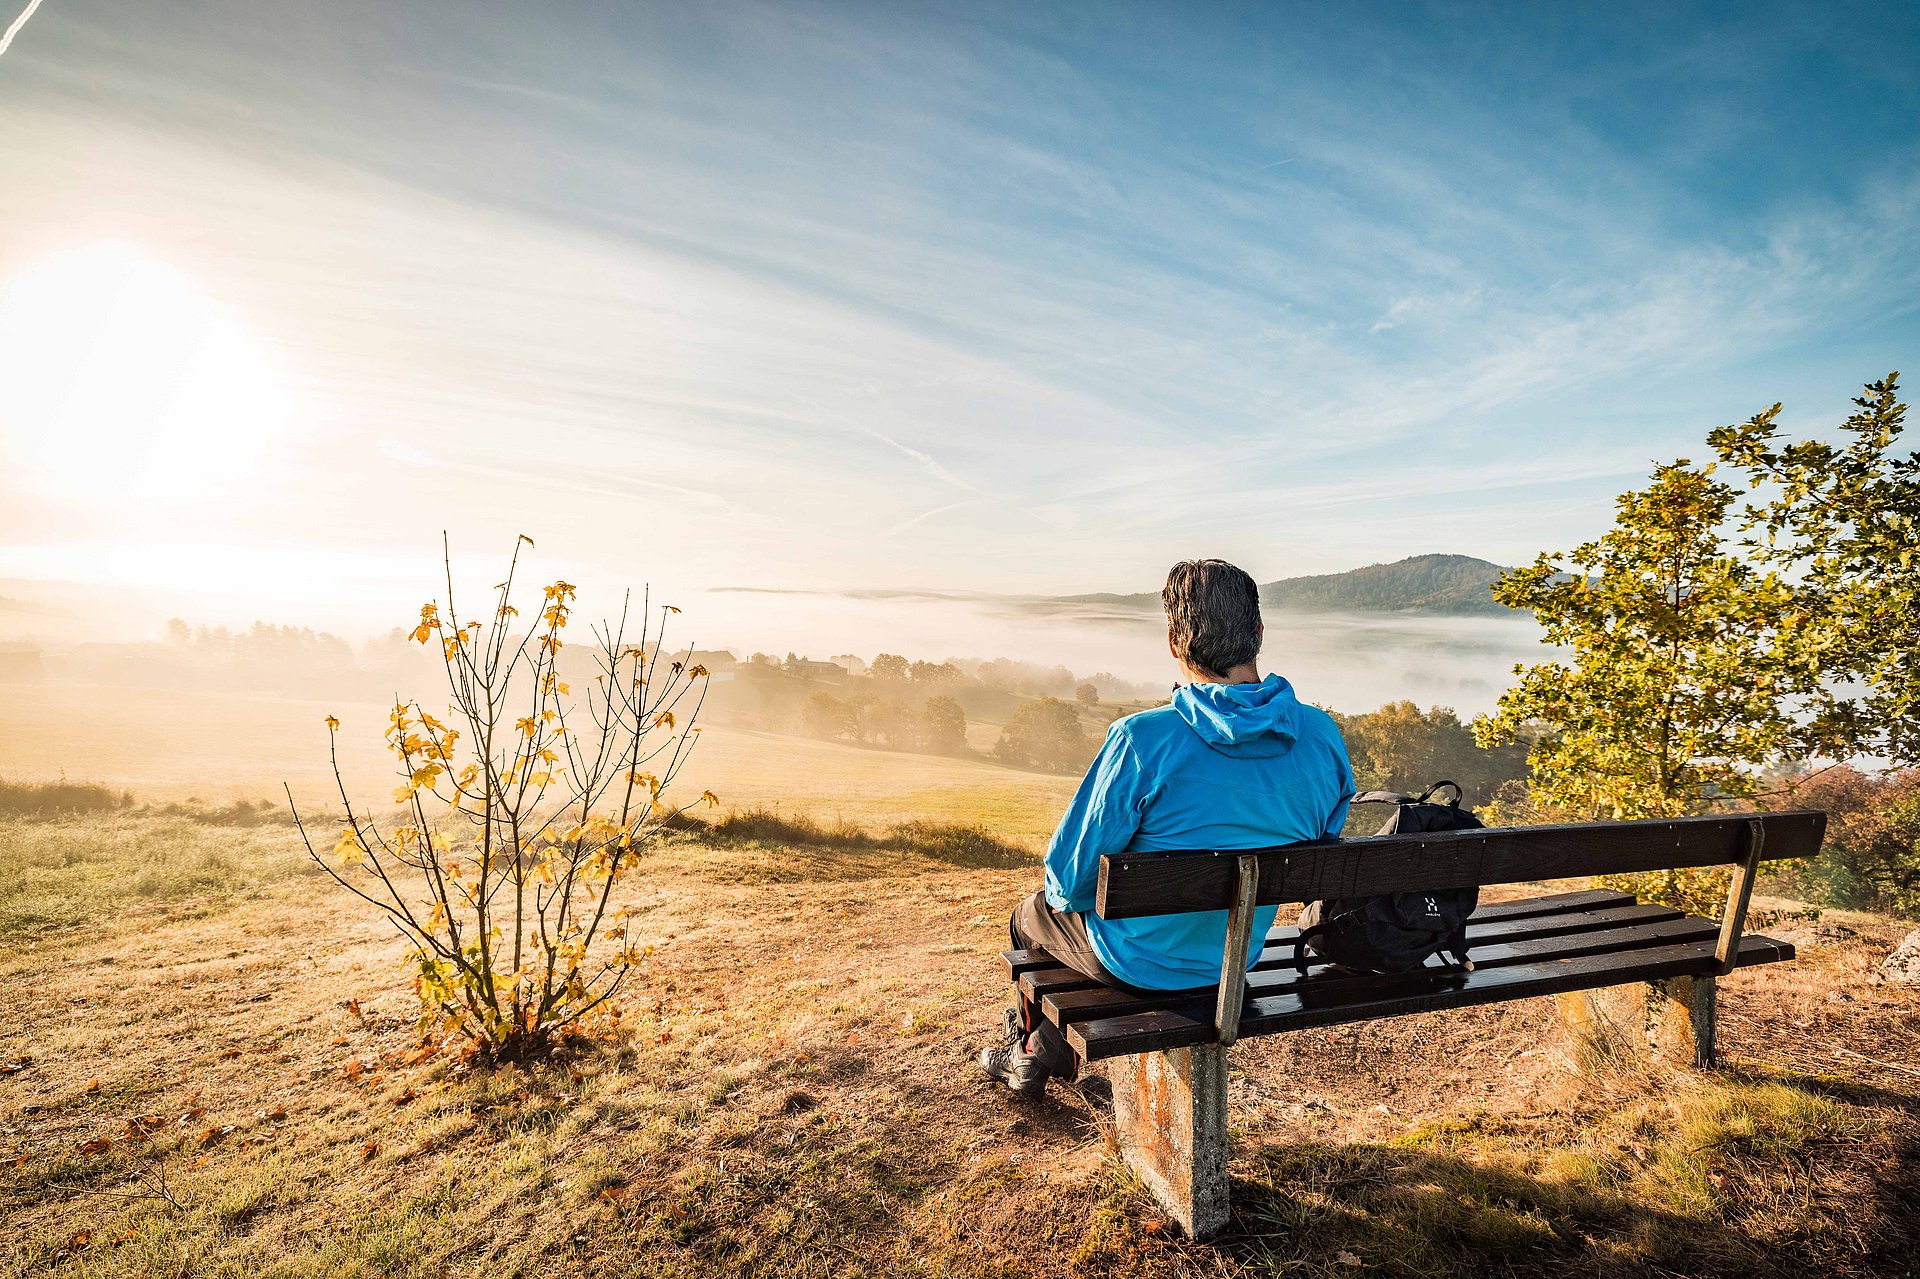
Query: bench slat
[1040, 982]
[1392, 997]
[1133, 885]
[1021, 961]
[1067, 1006]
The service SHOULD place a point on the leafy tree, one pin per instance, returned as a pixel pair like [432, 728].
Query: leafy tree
[520, 818]
[1045, 733]
[1842, 520]
[1402, 748]
[824, 715]
[1086, 694]
[943, 726]
[932, 673]
[1687, 671]
[889, 720]
[888, 666]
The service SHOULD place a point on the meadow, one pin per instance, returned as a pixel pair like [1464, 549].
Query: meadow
[210, 1066]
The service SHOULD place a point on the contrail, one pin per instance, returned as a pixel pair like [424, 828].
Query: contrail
[18, 22]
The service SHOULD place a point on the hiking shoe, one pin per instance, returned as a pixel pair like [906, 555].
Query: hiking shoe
[1010, 1027]
[1015, 1067]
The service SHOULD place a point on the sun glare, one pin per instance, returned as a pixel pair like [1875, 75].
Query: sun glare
[121, 380]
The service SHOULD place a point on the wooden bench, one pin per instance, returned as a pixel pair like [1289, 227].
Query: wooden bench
[1170, 1092]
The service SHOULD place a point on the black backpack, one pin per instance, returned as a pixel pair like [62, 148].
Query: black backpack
[1396, 932]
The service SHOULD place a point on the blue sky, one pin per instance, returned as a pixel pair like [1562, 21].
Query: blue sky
[965, 296]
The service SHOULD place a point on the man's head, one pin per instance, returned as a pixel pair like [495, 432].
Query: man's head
[1213, 617]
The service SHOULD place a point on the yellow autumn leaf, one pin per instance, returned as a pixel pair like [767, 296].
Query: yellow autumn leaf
[332, 724]
[710, 799]
[664, 719]
[348, 848]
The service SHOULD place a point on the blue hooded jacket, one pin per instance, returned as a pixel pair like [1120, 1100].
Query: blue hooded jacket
[1222, 766]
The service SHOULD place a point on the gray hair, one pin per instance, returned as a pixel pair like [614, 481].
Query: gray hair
[1213, 615]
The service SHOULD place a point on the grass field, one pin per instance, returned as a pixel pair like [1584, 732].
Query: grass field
[175, 746]
[207, 1067]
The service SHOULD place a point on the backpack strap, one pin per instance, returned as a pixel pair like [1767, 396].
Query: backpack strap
[1300, 947]
[1426, 796]
[1385, 797]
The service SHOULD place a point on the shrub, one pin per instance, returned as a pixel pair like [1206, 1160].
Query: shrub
[519, 820]
[59, 799]
[1872, 852]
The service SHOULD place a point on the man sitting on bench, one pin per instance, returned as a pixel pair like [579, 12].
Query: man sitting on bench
[1234, 761]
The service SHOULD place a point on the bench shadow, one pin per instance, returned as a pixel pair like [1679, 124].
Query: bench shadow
[1310, 1206]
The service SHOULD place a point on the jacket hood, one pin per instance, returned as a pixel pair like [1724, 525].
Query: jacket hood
[1249, 720]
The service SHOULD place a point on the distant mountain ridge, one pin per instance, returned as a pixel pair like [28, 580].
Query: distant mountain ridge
[1457, 585]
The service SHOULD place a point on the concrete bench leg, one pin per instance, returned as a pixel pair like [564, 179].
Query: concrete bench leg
[1171, 1111]
[1669, 1021]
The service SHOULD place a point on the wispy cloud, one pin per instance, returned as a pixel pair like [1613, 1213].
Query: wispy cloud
[773, 291]
[14, 28]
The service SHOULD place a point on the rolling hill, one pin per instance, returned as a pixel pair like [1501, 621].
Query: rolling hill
[1447, 584]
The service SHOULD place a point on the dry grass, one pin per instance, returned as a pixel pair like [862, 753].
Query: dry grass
[794, 1096]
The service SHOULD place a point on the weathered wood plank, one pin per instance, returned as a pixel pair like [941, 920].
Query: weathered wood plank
[1037, 983]
[1020, 961]
[1092, 1002]
[1138, 884]
[1378, 998]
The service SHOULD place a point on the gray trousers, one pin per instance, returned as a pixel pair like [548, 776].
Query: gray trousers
[1036, 925]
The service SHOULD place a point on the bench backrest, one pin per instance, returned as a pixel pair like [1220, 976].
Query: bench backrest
[1136, 884]
[1239, 881]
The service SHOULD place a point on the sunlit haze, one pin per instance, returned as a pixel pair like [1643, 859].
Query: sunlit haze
[986, 299]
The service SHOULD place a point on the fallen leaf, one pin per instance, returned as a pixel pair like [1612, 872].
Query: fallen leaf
[93, 1085]
[278, 1114]
[15, 1067]
[80, 1240]
[96, 1146]
[353, 1005]
[405, 1097]
[369, 1150]
[1347, 1259]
